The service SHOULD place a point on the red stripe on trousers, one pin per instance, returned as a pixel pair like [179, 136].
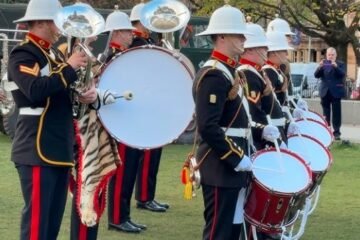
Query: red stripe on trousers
[118, 185]
[215, 214]
[35, 203]
[145, 176]
[82, 232]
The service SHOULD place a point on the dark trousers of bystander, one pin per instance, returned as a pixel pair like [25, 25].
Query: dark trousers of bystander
[332, 112]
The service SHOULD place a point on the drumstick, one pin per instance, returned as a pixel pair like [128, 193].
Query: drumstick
[267, 169]
[280, 161]
[128, 95]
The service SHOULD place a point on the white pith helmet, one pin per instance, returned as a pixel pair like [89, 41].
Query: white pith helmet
[135, 12]
[279, 25]
[226, 20]
[40, 10]
[257, 38]
[118, 20]
[278, 42]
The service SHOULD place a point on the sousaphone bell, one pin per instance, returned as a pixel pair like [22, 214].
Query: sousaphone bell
[164, 16]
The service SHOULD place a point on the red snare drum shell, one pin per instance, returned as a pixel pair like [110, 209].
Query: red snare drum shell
[269, 201]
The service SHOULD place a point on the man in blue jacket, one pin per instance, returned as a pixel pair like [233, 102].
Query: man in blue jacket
[332, 75]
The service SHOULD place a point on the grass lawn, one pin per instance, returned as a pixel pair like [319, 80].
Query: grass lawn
[336, 217]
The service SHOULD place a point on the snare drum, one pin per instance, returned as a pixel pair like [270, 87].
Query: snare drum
[315, 154]
[315, 116]
[278, 178]
[317, 130]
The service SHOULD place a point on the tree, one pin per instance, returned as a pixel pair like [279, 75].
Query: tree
[123, 4]
[316, 18]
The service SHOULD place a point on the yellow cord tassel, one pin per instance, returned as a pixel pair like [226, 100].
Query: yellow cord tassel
[188, 191]
[185, 178]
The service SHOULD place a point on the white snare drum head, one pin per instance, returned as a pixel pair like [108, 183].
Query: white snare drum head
[315, 116]
[316, 130]
[282, 172]
[162, 104]
[312, 151]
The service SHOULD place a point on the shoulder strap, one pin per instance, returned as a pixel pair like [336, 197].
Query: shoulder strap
[252, 69]
[267, 66]
[218, 65]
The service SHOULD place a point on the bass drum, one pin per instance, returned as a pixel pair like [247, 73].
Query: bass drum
[162, 105]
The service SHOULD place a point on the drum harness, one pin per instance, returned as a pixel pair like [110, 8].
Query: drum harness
[233, 93]
[279, 122]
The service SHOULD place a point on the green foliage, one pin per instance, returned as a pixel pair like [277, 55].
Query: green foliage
[336, 217]
[321, 19]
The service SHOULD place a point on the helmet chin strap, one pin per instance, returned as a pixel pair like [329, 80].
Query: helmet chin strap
[239, 49]
[262, 55]
[280, 58]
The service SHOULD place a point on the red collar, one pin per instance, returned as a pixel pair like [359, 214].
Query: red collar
[141, 34]
[277, 67]
[39, 41]
[255, 65]
[223, 58]
[117, 46]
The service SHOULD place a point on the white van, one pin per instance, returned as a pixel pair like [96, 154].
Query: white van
[303, 80]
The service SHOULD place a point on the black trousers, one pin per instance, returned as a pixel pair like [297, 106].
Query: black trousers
[147, 175]
[44, 191]
[220, 204]
[79, 231]
[121, 185]
[332, 104]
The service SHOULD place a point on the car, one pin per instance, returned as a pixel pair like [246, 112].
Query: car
[304, 82]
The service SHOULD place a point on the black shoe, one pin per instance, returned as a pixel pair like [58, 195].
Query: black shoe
[138, 225]
[150, 205]
[125, 227]
[164, 205]
[267, 236]
[337, 135]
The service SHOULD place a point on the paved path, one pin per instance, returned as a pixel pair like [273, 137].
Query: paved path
[350, 132]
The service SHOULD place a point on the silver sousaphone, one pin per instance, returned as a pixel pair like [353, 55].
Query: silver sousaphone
[159, 82]
[164, 16]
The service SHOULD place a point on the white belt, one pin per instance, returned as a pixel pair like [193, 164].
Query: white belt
[237, 132]
[279, 122]
[31, 111]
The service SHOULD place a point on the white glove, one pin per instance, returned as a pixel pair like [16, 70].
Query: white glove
[270, 133]
[298, 113]
[106, 97]
[293, 129]
[244, 165]
[302, 104]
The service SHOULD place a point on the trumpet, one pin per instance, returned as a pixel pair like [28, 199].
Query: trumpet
[81, 21]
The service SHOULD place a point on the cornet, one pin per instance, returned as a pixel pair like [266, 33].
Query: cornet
[81, 21]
